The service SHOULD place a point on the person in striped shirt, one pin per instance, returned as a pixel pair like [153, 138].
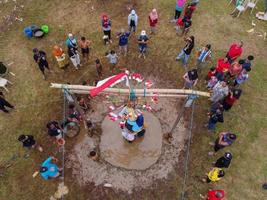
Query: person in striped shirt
[204, 54]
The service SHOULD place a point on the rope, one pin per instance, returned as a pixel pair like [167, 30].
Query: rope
[188, 152]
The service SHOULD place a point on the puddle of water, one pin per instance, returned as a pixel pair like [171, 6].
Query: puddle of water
[140, 154]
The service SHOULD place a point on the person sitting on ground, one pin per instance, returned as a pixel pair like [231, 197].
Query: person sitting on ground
[234, 51]
[214, 175]
[225, 139]
[82, 103]
[241, 78]
[74, 115]
[123, 41]
[4, 103]
[214, 195]
[204, 54]
[231, 98]
[132, 21]
[247, 63]
[29, 142]
[54, 129]
[215, 117]
[191, 78]
[153, 20]
[224, 161]
[186, 51]
[85, 47]
[40, 58]
[48, 169]
[142, 43]
[219, 91]
[99, 68]
[113, 59]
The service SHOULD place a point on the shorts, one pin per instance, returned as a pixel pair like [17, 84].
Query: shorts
[85, 51]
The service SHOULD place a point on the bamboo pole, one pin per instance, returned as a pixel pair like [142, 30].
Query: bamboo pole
[137, 91]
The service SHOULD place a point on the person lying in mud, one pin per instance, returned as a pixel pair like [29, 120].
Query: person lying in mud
[74, 115]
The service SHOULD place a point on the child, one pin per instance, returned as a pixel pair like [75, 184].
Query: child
[214, 175]
[98, 66]
[153, 20]
[106, 26]
[204, 54]
[113, 59]
[85, 45]
[142, 43]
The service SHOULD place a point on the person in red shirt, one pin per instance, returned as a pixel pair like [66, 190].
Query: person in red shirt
[235, 51]
[231, 98]
[236, 68]
[190, 8]
[211, 72]
[153, 20]
[223, 65]
[215, 195]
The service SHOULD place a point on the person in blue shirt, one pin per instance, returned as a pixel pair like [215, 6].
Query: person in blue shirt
[142, 43]
[204, 54]
[123, 41]
[48, 169]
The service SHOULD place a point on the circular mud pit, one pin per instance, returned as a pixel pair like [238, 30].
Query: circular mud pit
[140, 154]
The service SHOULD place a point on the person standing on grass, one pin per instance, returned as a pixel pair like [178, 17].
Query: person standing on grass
[40, 59]
[224, 161]
[231, 98]
[113, 59]
[153, 20]
[219, 91]
[179, 9]
[241, 78]
[204, 54]
[106, 26]
[211, 73]
[225, 139]
[71, 41]
[29, 142]
[142, 44]
[214, 175]
[74, 56]
[214, 195]
[132, 21]
[247, 63]
[214, 117]
[234, 51]
[186, 51]
[85, 47]
[123, 41]
[99, 68]
[235, 68]
[60, 56]
[183, 25]
[191, 78]
[4, 103]
[190, 8]
[49, 169]
[223, 65]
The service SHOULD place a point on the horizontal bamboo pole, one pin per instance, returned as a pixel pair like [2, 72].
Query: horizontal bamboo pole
[137, 91]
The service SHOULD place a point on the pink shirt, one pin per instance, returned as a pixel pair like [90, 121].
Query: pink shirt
[181, 3]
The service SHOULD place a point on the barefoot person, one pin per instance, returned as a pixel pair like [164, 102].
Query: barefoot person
[40, 59]
[49, 169]
[85, 47]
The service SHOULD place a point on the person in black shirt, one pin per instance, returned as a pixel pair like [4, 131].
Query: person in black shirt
[40, 59]
[4, 103]
[54, 129]
[29, 142]
[186, 51]
[215, 116]
[224, 161]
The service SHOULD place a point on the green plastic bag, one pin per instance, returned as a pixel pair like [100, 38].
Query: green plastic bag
[45, 28]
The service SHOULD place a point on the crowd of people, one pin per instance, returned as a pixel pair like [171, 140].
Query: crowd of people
[223, 80]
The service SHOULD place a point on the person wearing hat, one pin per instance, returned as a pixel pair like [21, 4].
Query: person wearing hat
[132, 21]
[225, 139]
[40, 58]
[153, 20]
[191, 78]
[49, 169]
[142, 43]
[224, 161]
[106, 26]
[123, 41]
[214, 175]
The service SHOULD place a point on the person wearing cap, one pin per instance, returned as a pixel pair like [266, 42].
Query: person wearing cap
[132, 21]
[214, 175]
[40, 58]
[49, 169]
[106, 26]
[225, 139]
[224, 161]
[191, 78]
[234, 51]
[153, 20]
[142, 43]
[231, 98]
[204, 54]
[186, 51]
[219, 91]
[123, 41]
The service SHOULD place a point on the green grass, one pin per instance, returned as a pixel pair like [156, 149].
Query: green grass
[37, 103]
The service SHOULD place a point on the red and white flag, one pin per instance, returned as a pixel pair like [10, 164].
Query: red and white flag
[109, 82]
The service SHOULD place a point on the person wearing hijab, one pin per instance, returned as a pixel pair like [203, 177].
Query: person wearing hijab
[142, 43]
[73, 51]
[40, 58]
[71, 41]
[60, 56]
[106, 26]
[132, 21]
[153, 20]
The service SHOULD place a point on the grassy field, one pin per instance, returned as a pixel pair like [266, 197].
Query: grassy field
[36, 103]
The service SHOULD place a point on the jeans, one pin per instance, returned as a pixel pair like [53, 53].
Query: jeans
[211, 125]
[183, 56]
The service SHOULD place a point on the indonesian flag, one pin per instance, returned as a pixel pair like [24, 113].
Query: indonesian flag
[109, 82]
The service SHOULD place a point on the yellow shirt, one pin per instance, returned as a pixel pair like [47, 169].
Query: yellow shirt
[213, 174]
